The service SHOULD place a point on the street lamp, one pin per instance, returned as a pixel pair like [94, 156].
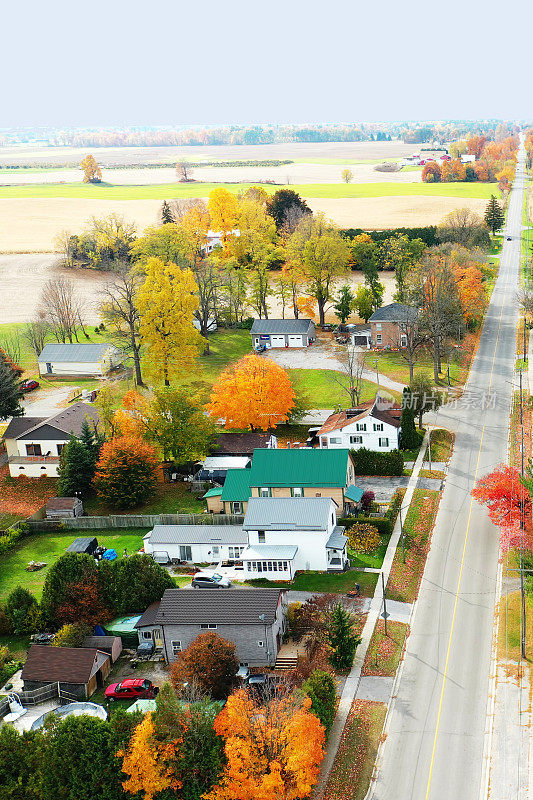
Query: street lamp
[377, 371]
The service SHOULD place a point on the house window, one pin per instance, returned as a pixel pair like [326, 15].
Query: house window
[33, 450]
[360, 426]
[356, 440]
[335, 440]
[378, 426]
[208, 626]
[378, 326]
[260, 644]
[297, 491]
[379, 338]
[176, 647]
[264, 491]
[383, 442]
[235, 552]
[59, 449]
[185, 552]
[236, 507]
[147, 634]
[403, 340]
[261, 537]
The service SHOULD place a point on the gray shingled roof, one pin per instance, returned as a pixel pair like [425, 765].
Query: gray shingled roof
[197, 534]
[67, 353]
[287, 513]
[69, 420]
[293, 326]
[20, 425]
[220, 607]
[395, 312]
[149, 616]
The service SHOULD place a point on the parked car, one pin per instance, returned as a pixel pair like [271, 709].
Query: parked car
[509, 238]
[204, 580]
[260, 348]
[29, 385]
[327, 327]
[131, 689]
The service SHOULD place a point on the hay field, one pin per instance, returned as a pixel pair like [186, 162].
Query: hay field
[31, 224]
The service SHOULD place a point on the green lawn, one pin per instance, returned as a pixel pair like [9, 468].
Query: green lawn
[49, 547]
[385, 650]
[373, 559]
[168, 498]
[226, 346]
[165, 191]
[441, 445]
[394, 365]
[326, 582]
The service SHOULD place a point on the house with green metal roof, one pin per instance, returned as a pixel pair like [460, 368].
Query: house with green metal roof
[300, 472]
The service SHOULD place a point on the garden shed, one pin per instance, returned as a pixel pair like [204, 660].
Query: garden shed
[83, 544]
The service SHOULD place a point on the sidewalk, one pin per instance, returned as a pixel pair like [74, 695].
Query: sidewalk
[376, 606]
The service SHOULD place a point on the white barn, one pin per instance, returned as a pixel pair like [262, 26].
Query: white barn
[78, 359]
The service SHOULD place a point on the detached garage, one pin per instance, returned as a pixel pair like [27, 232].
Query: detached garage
[283, 332]
[78, 359]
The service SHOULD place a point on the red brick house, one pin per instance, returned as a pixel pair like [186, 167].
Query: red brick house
[389, 325]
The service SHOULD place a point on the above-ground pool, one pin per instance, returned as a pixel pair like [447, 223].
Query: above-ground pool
[72, 710]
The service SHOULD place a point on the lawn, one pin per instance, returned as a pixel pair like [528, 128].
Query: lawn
[509, 627]
[373, 559]
[225, 346]
[394, 365]
[168, 498]
[385, 651]
[49, 547]
[404, 579]
[165, 191]
[354, 763]
[336, 583]
[323, 391]
[441, 445]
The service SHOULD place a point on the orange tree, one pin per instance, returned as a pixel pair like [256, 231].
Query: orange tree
[273, 749]
[209, 662]
[255, 392]
[126, 472]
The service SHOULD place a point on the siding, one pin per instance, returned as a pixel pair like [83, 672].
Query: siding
[335, 492]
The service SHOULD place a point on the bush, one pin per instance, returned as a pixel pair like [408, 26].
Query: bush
[12, 536]
[6, 628]
[363, 538]
[427, 234]
[383, 525]
[320, 687]
[22, 611]
[369, 462]
[71, 634]
[367, 500]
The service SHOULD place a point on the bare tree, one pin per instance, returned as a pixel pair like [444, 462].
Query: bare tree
[11, 345]
[181, 207]
[119, 310]
[184, 171]
[65, 244]
[60, 306]
[525, 300]
[351, 377]
[36, 333]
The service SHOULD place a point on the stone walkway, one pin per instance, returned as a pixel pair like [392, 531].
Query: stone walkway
[351, 687]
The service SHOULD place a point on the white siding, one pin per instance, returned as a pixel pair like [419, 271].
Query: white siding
[370, 438]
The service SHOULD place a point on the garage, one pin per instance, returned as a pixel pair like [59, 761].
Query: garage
[277, 341]
[295, 341]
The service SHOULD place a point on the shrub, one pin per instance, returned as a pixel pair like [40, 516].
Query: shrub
[369, 462]
[22, 611]
[363, 538]
[6, 628]
[367, 499]
[320, 687]
[71, 634]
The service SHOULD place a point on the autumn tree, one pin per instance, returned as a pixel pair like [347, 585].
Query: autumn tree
[210, 662]
[255, 392]
[347, 175]
[69, 570]
[364, 302]
[507, 499]
[126, 472]
[472, 292]
[364, 257]
[494, 216]
[453, 170]
[431, 172]
[287, 208]
[167, 301]
[10, 394]
[345, 303]
[223, 208]
[142, 763]
[168, 243]
[342, 639]
[462, 226]
[91, 171]
[273, 749]
[363, 537]
[118, 309]
[399, 253]
[71, 634]
[322, 256]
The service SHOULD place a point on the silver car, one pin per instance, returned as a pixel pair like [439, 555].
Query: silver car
[205, 580]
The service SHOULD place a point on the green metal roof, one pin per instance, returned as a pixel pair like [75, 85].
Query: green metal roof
[303, 467]
[353, 493]
[214, 492]
[237, 486]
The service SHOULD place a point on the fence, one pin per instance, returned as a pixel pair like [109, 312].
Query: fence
[132, 521]
[34, 697]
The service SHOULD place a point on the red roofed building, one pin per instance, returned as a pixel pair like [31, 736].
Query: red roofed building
[374, 424]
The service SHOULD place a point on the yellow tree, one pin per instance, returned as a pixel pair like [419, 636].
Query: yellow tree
[255, 392]
[145, 764]
[167, 301]
[91, 171]
[223, 208]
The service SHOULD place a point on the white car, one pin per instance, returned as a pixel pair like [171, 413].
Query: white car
[210, 580]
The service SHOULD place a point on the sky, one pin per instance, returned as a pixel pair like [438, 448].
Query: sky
[116, 63]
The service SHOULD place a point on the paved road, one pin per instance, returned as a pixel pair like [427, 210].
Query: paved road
[435, 741]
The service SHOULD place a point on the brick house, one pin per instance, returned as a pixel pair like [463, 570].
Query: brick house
[388, 325]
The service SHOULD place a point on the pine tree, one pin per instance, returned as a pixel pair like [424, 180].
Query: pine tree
[494, 216]
[408, 435]
[9, 390]
[342, 639]
[76, 467]
[166, 213]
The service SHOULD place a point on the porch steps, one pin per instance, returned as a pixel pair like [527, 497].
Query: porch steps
[286, 663]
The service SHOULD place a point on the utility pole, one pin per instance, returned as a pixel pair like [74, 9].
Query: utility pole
[385, 615]
[403, 536]
[524, 345]
[429, 447]
[522, 526]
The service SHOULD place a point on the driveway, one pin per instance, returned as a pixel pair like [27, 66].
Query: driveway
[323, 356]
[45, 401]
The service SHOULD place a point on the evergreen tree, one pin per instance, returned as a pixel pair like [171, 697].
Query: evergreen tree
[320, 687]
[408, 436]
[494, 216]
[166, 213]
[22, 610]
[9, 389]
[76, 468]
[345, 303]
[342, 639]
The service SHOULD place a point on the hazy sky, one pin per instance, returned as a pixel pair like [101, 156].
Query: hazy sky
[229, 61]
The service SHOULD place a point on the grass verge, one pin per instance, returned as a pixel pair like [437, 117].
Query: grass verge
[441, 445]
[325, 582]
[404, 579]
[385, 651]
[509, 627]
[353, 766]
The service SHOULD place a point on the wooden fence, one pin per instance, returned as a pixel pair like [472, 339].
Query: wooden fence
[132, 521]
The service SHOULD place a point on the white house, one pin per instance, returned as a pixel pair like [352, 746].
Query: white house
[374, 425]
[287, 534]
[34, 444]
[78, 359]
[216, 239]
[283, 332]
[200, 544]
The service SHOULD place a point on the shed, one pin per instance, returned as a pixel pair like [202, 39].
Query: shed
[283, 332]
[78, 359]
[112, 645]
[78, 670]
[64, 508]
[83, 544]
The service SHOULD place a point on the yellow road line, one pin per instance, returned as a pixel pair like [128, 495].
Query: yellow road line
[467, 532]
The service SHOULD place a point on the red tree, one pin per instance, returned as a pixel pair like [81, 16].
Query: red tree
[506, 498]
[431, 172]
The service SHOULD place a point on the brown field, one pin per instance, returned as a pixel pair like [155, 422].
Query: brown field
[30, 225]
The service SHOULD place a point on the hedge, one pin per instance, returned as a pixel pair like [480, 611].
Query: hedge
[369, 462]
[13, 536]
[383, 524]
